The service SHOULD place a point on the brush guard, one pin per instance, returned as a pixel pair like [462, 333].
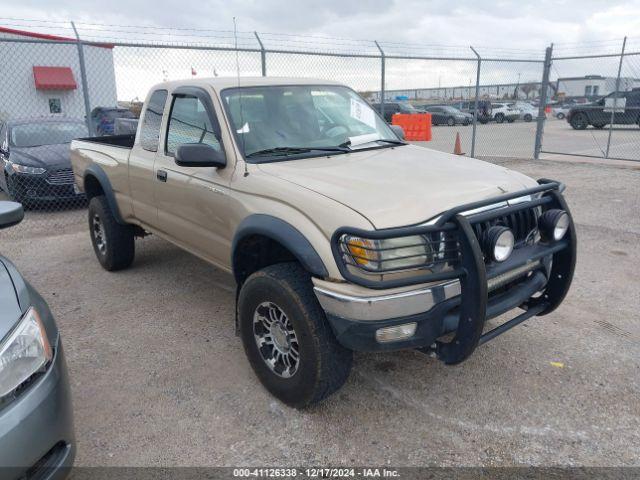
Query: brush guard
[473, 273]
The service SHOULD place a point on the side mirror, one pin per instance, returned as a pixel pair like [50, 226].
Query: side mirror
[11, 213]
[398, 130]
[199, 155]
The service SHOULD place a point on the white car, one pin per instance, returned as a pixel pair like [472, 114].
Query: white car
[504, 111]
[561, 111]
[527, 111]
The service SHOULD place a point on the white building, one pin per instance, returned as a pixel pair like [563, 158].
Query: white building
[42, 79]
[592, 86]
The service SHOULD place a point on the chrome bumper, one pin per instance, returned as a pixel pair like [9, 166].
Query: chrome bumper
[404, 304]
[383, 307]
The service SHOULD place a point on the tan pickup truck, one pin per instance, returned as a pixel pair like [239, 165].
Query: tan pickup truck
[340, 235]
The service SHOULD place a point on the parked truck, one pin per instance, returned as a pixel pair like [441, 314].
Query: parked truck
[340, 235]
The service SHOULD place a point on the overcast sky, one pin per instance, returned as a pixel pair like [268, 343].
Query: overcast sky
[510, 28]
[518, 24]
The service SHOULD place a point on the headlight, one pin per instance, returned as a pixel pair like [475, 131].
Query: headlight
[498, 243]
[23, 353]
[28, 170]
[553, 224]
[390, 254]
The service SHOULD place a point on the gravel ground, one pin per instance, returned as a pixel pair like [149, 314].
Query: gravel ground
[159, 378]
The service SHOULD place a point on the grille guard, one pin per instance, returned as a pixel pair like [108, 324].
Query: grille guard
[471, 269]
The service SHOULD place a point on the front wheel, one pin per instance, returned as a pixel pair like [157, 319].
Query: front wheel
[579, 121]
[451, 121]
[528, 117]
[560, 116]
[287, 338]
[499, 117]
[113, 243]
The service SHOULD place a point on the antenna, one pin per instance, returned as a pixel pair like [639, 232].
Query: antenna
[235, 38]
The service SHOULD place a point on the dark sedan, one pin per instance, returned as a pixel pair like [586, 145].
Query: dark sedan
[34, 154]
[36, 419]
[447, 115]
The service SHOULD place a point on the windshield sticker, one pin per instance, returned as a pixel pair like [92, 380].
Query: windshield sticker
[244, 129]
[363, 113]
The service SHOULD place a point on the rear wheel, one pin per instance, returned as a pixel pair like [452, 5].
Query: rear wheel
[451, 121]
[560, 116]
[579, 121]
[113, 243]
[499, 117]
[528, 117]
[287, 338]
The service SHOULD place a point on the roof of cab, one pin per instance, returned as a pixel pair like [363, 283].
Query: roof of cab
[218, 83]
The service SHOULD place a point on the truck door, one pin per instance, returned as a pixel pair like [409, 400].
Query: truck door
[143, 157]
[192, 200]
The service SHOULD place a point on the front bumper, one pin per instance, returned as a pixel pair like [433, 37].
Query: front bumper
[36, 429]
[435, 309]
[535, 278]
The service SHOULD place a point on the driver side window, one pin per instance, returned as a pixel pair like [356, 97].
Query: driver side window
[190, 123]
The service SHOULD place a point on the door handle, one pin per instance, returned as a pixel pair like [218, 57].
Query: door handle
[161, 175]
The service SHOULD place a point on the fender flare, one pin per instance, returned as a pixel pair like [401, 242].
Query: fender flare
[283, 233]
[99, 174]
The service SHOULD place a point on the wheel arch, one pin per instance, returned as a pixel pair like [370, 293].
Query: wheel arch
[96, 182]
[261, 240]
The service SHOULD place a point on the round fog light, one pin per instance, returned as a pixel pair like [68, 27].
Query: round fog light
[554, 224]
[499, 242]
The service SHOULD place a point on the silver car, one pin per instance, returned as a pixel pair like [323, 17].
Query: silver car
[36, 420]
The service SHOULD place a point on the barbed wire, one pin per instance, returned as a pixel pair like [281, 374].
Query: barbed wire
[148, 34]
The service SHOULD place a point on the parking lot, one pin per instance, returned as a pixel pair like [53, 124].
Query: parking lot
[517, 139]
[159, 378]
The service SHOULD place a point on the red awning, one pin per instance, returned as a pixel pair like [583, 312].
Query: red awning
[54, 78]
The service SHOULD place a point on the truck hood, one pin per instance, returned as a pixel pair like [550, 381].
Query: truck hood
[399, 186]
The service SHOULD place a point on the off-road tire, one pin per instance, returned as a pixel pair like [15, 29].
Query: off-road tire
[579, 121]
[324, 364]
[119, 243]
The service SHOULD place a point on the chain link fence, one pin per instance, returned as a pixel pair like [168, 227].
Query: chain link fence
[595, 105]
[91, 80]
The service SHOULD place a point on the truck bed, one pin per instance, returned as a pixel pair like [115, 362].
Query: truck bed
[110, 154]
[124, 141]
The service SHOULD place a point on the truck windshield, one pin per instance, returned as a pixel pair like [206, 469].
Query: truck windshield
[302, 121]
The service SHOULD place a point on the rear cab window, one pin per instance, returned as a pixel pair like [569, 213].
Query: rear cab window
[152, 121]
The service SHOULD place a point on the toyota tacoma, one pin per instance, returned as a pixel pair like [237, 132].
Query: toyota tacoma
[340, 235]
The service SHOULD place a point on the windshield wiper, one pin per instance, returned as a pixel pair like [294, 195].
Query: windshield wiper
[281, 151]
[392, 142]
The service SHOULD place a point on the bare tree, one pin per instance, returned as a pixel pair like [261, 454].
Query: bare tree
[529, 88]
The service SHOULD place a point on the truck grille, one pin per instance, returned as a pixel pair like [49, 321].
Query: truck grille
[522, 223]
[60, 177]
